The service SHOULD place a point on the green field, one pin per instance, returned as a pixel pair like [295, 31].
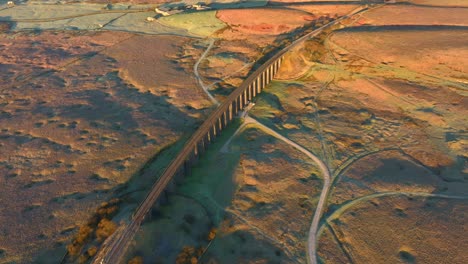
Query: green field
[202, 24]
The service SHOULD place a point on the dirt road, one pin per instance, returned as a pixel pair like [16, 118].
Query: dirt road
[197, 74]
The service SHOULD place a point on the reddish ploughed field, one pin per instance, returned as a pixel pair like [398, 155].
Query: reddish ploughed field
[264, 21]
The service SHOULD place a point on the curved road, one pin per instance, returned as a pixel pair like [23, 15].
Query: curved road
[351, 203]
[246, 64]
[197, 74]
[312, 239]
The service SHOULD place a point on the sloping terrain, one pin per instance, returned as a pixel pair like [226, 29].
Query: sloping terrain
[96, 97]
[248, 194]
[79, 118]
[385, 107]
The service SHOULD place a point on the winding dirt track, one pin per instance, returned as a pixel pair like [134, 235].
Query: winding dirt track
[312, 239]
[197, 74]
[351, 203]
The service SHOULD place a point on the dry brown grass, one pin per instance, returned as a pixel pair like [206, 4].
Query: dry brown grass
[439, 53]
[461, 3]
[388, 171]
[373, 103]
[263, 21]
[73, 127]
[414, 15]
[276, 184]
[66, 136]
[382, 96]
[404, 230]
[331, 9]
[225, 66]
[158, 71]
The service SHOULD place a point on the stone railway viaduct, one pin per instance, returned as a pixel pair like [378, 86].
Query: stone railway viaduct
[114, 248]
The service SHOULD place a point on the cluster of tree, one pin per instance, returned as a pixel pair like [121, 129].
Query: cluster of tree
[190, 255]
[99, 227]
[136, 260]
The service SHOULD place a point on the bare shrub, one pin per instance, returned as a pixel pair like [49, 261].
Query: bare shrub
[92, 251]
[212, 234]
[84, 234]
[105, 229]
[136, 260]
